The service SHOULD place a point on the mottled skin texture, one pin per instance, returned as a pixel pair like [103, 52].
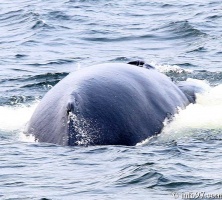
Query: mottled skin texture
[107, 104]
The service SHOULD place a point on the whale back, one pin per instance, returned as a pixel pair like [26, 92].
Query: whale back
[107, 104]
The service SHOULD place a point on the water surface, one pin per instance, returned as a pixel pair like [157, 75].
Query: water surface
[42, 41]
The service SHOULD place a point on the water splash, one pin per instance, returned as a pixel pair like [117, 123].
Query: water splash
[83, 131]
[14, 119]
[165, 68]
[81, 128]
[204, 116]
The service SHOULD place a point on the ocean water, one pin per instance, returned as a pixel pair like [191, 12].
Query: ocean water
[42, 41]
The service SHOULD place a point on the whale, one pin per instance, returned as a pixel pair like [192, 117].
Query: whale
[108, 104]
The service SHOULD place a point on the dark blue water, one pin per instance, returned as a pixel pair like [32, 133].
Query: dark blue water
[42, 41]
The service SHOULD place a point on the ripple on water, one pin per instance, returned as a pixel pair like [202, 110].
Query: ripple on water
[181, 30]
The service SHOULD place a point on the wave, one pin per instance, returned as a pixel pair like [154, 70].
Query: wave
[41, 79]
[179, 30]
[201, 120]
[26, 89]
[18, 100]
[176, 73]
[118, 39]
[11, 15]
[41, 24]
[59, 15]
[54, 62]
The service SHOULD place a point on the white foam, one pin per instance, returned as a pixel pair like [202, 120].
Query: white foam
[201, 83]
[206, 114]
[14, 119]
[167, 68]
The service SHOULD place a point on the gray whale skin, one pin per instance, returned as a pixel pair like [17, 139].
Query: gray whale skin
[108, 104]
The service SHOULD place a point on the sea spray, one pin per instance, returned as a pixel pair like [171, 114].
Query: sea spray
[204, 116]
[14, 120]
